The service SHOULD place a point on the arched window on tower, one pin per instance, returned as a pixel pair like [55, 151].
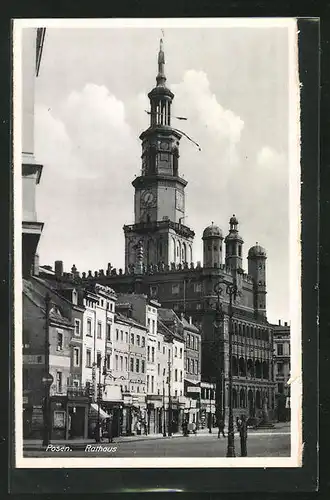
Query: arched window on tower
[240, 250]
[175, 162]
[174, 249]
[184, 252]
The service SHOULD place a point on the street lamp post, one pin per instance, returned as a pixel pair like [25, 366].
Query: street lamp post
[164, 415]
[169, 432]
[232, 292]
[210, 415]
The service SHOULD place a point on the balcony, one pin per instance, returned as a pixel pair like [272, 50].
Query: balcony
[153, 226]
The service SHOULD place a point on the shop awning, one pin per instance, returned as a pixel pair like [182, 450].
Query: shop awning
[95, 410]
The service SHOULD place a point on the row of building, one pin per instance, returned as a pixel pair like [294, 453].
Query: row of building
[122, 352]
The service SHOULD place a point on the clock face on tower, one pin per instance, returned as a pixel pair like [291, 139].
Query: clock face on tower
[147, 198]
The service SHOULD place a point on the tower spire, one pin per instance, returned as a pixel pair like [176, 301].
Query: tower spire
[161, 78]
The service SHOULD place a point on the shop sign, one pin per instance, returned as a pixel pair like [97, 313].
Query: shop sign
[128, 400]
[59, 419]
[192, 388]
[25, 400]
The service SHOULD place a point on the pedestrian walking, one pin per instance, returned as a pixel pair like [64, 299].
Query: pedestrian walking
[145, 427]
[238, 423]
[221, 427]
[185, 428]
[138, 428]
[98, 432]
[243, 436]
[109, 424]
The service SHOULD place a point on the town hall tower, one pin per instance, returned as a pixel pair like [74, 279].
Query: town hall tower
[159, 201]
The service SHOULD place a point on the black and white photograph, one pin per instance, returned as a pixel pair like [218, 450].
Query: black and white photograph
[157, 230]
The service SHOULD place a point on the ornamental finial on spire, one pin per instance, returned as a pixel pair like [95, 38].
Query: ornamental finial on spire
[161, 78]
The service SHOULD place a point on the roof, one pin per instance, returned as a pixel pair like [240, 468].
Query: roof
[189, 326]
[130, 321]
[212, 231]
[168, 331]
[257, 251]
[38, 298]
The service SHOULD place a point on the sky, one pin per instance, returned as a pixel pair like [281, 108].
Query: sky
[90, 102]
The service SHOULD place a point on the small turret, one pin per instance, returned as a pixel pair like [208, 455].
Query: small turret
[234, 245]
[212, 246]
[257, 270]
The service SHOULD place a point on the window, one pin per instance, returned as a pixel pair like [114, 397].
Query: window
[152, 383]
[89, 327]
[153, 327]
[158, 369]
[75, 383]
[76, 356]
[149, 324]
[138, 340]
[142, 366]
[175, 375]
[126, 336]
[158, 346]
[148, 353]
[117, 334]
[143, 341]
[116, 362]
[188, 340]
[153, 290]
[59, 382]
[126, 363]
[198, 306]
[148, 383]
[102, 302]
[138, 389]
[108, 331]
[137, 365]
[98, 359]
[99, 330]
[280, 368]
[175, 289]
[132, 338]
[180, 352]
[175, 352]
[281, 387]
[197, 287]
[188, 365]
[176, 393]
[163, 349]
[121, 363]
[152, 354]
[77, 327]
[196, 366]
[88, 358]
[164, 371]
[132, 364]
[107, 361]
[180, 375]
[121, 335]
[59, 341]
[280, 349]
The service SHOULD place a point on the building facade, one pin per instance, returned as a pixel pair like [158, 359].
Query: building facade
[282, 369]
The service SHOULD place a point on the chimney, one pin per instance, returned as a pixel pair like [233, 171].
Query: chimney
[190, 320]
[279, 322]
[36, 265]
[58, 268]
[285, 323]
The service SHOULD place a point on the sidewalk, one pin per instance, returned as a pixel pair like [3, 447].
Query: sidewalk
[36, 444]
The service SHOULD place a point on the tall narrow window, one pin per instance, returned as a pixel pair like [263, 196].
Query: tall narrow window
[109, 331]
[76, 356]
[89, 327]
[143, 366]
[77, 327]
[59, 382]
[107, 361]
[152, 354]
[88, 358]
[132, 364]
[121, 363]
[59, 341]
[99, 330]
[152, 383]
[116, 362]
[148, 353]
[175, 375]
